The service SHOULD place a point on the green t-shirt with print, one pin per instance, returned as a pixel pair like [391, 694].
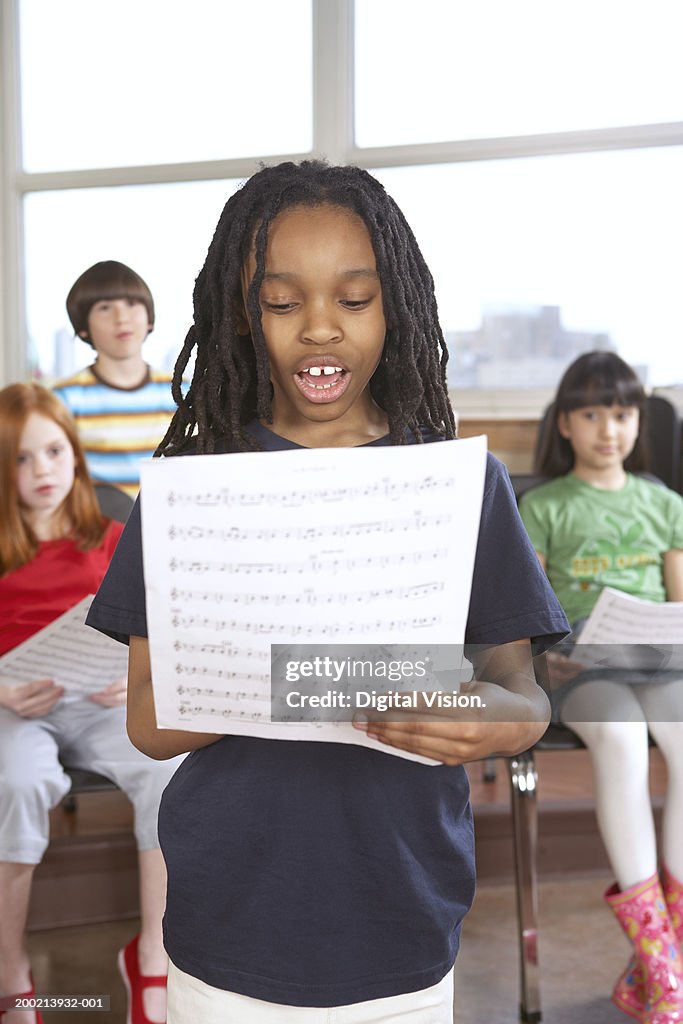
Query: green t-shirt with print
[593, 538]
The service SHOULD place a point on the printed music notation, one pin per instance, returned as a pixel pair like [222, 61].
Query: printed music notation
[207, 691]
[334, 546]
[624, 631]
[223, 649]
[328, 562]
[237, 497]
[311, 598]
[296, 630]
[307, 533]
[195, 710]
[74, 655]
[258, 678]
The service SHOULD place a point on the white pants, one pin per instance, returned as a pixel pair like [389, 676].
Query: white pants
[191, 1001]
[32, 780]
[613, 720]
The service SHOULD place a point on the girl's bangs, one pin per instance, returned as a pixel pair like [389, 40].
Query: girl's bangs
[604, 389]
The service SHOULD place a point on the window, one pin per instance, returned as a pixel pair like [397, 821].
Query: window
[494, 68]
[161, 81]
[540, 259]
[535, 148]
[161, 231]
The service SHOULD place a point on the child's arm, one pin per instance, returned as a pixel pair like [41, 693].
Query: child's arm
[141, 718]
[516, 715]
[673, 574]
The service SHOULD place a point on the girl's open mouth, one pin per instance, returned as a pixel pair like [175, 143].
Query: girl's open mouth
[322, 383]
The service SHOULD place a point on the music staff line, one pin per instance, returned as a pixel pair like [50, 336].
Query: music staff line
[181, 621]
[310, 533]
[394, 490]
[224, 649]
[309, 597]
[195, 710]
[222, 673]
[619, 622]
[206, 691]
[186, 711]
[315, 564]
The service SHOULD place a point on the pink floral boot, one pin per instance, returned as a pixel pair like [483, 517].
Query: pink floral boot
[642, 913]
[673, 894]
[629, 993]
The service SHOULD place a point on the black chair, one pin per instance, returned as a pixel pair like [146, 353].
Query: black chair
[114, 503]
[664, 441]
[117, 505]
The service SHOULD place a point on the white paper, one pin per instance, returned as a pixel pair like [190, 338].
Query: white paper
[343, 546]
[624, 631]
[77, 657]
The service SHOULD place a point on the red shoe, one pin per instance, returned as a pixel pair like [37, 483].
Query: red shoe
[136, 983]
[5, 1002]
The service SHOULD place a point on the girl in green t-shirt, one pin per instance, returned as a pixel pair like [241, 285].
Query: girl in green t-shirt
[596, 525]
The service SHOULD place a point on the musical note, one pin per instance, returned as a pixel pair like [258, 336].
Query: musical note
[308, 533]
[393, 490]
[328, 561]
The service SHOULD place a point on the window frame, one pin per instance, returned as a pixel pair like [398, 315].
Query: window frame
[333, 112]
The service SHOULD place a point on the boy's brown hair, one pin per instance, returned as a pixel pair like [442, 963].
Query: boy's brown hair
[108, 279]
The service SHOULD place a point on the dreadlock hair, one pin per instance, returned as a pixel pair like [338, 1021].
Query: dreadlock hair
[231, 381]
[595, 378]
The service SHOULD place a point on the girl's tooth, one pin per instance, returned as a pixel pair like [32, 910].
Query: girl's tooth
[314, 371]
[329, 370]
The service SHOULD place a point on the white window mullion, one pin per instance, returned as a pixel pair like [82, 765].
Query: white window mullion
[333, 79]
[13, 347]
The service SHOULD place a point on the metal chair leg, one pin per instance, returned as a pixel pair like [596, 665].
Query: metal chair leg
[523, 780]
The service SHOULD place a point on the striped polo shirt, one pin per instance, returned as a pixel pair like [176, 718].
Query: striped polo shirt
[118, 427]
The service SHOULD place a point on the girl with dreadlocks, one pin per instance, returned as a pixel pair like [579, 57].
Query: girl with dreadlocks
[306, 876]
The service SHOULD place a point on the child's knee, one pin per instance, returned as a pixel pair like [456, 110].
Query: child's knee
[622, 741]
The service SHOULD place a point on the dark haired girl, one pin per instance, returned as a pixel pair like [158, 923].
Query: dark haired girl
[598, 525]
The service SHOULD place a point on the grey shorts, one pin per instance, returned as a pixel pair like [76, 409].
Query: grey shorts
[32, 780]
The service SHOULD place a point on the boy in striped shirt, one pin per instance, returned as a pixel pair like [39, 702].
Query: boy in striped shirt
[122, 407]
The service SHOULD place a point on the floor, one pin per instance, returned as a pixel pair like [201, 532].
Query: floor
[581, 953]
[581, 950]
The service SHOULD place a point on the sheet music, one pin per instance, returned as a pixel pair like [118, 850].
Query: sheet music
[74, 655]
[624, 631]
[343, 546]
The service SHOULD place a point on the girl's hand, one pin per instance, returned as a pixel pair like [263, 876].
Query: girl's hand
[513, 715]
[561, 670]
[31, 700]
[438, 736]
[112, 696]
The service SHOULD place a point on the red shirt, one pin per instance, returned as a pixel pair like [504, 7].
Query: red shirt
[55, 580]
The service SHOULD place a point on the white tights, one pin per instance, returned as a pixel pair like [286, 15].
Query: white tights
[619, 751]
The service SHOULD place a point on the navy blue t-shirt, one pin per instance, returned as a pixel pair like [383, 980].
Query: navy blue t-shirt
[322, 874]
